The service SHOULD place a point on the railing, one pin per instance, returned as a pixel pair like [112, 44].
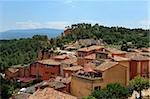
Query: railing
[89, 77]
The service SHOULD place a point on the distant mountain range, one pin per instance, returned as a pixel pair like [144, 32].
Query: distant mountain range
[28, 33]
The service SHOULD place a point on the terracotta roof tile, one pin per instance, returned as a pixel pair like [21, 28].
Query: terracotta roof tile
[73, 68]
[69, 61]
[22, 96]
[49, 62]
[57, 85]
[115, 51]
[87, 49]
[13, 70]
[146, 49]
[91, 56]
[61, 57]
[136, 56]
[50, 93]
[106, 65]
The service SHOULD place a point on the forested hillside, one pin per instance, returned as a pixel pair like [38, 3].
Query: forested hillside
[137, 38]
[22, 51]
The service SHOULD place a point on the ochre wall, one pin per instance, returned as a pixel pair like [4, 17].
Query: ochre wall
[126, 64]
[117, 74]
[81, 87]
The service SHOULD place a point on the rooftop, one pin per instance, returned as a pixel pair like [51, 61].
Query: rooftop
[73, 68]
[105, 66]
[118, 58]
[13, 70]
[87, 49]
[50, 93]
[61, 57]
[52, 84]
[49, 62]
[22, 96]
[89, 77]
[146, 49]
[115, 51]
[91, 56]
[70, 61]
[88, 73]
[136, 56]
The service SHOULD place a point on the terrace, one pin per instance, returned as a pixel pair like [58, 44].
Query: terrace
[89, 74]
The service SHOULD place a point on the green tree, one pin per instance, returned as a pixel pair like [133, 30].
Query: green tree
[139, 83]
[112, 91]
[6, 88]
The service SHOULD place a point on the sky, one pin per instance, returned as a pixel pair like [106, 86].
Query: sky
[25, 14]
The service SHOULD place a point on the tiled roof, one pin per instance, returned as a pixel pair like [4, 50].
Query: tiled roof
[73, 68]
[70, 61]
[50, 93]
[91, 56]
[53, 84]
[106, 65]
[146, 49]
[56, 85]
[70, 47]
[49, 62]
[118, 58]
[115, 51]
[136, 56]
[87, 49]
[13, 70]
[22, 96]
[61, 57]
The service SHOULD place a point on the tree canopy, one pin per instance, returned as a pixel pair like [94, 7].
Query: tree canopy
[111, 35]
[112, 91]
[139, 83]
[22, 51]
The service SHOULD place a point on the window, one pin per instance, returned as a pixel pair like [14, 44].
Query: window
[97, 88]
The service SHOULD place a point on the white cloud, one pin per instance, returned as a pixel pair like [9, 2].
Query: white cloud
[51, 24]
[28, 24]
[145, 24]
